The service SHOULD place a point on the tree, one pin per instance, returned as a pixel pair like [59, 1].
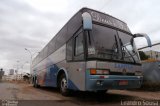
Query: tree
[143, 56]
[1, 73]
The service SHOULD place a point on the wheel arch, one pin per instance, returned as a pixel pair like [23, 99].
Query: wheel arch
[60, 72]
[34, 78]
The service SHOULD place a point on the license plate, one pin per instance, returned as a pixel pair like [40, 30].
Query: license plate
[123, 82]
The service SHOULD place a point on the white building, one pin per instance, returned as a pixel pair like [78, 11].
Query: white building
[153, 54]
[8, 77]
[17, 77]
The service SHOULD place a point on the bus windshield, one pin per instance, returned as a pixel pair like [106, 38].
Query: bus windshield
[107, 43]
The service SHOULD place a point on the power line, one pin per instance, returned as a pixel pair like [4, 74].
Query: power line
[104, 5]
[147, 46]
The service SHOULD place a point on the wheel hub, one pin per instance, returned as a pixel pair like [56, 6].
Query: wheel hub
[63, 84]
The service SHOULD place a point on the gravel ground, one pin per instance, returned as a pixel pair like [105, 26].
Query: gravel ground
[30, 96]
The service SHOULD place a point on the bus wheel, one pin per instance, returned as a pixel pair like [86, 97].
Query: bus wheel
[101, 92]
[63, 85]
[36, 83]
[33, 82]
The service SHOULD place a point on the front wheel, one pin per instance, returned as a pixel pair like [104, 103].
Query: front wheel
[63, 85]
[101, 92]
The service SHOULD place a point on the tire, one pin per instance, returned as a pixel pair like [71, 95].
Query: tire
[33, 82]
[36, 83]
[63, 85]
[101, 92]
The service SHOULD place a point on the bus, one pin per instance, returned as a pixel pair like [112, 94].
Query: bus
[92, 52]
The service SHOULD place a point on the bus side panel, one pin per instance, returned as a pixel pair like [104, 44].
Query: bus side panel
[50, 79]
[55, 58]
[76, 75]
[46, 70]
[47, 76]
[56, 61]
[76, 70]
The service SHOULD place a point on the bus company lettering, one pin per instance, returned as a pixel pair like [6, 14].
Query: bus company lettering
[97, 17]
[127, 66]
[108, 20]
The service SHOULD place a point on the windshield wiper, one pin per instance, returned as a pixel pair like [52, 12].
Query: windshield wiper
[114, 47]
[121, 44]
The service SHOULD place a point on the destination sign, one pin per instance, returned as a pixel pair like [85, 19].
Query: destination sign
[108, 20]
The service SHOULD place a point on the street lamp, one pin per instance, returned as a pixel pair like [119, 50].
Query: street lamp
[29, 53]
[31, 56]
[23, 66]
[17, 67]
[16, 71]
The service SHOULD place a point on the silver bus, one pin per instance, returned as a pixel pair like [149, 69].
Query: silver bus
[92, 52]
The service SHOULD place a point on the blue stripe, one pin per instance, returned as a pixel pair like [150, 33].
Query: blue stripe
[51, 77]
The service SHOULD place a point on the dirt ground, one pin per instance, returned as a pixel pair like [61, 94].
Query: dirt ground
[26, 95]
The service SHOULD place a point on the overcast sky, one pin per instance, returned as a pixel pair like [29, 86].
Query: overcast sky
[32, 23]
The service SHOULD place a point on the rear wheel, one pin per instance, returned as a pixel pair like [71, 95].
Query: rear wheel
[36, 83]
[63, 85]
[33, 82]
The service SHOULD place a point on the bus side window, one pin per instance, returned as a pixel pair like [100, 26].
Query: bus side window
[78, 47]
[69, 49]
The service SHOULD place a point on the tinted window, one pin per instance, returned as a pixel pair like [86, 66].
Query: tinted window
[45, 51]
[111, 44]
[61, 38]
[79, 44]
[69, 49]
[51, 46]
[128, 49]
[104, 37]
[105, 44]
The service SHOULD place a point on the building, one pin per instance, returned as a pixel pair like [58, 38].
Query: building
[8, 78]
[11, 72]
[3, 77]
[1, 74]
[16, 77]
[153, 54]
[19, 77]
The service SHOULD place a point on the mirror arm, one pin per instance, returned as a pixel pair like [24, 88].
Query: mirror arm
[143, 35]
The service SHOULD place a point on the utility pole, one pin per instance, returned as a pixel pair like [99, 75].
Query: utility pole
[16, 71]
[30, 57]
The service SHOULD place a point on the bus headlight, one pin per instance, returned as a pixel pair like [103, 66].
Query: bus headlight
[99, 72]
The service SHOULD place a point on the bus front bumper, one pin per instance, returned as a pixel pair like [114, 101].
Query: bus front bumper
[100, 82]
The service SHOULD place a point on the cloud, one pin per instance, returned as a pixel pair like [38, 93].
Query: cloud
[22, 26]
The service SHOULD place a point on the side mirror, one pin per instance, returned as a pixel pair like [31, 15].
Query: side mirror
[87, 21]
[144, 35]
